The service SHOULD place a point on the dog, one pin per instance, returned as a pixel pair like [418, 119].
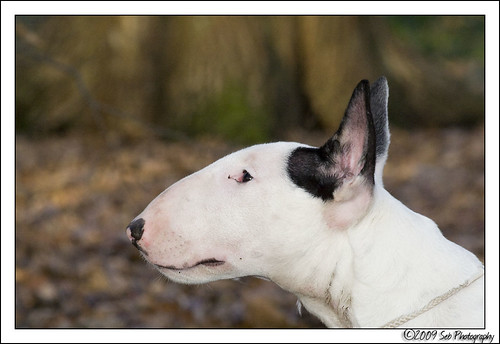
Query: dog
[318, 222]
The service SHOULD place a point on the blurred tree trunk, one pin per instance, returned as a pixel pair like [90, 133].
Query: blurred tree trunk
[335, 57]
[158, 64]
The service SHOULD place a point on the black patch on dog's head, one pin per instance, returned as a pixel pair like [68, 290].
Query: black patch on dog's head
[349, 153]
[304, 169]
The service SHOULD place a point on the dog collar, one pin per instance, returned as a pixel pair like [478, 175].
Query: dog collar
[433, 303]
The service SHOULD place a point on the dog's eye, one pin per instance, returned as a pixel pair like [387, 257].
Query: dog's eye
[242, 177]
[246, 177]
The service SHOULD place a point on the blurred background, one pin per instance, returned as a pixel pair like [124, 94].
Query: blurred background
[111, 110]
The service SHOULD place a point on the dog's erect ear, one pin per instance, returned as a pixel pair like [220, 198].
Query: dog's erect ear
[379, 95]
[352, 148]
[348, 156]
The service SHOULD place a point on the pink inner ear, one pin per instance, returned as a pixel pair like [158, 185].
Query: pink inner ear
[354, 155]
[354, 137]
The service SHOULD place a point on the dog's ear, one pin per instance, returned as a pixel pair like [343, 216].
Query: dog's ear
[379, 95]
[352, 147]
[346, 159]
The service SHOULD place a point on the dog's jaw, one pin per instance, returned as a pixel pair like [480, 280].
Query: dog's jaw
[205, 262]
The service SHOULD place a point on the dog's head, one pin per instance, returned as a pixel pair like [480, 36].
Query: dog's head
[269, 209]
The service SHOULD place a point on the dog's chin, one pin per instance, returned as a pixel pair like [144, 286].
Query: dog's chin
[202, 272]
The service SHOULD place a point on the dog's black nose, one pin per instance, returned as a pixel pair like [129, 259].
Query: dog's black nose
[136, 228]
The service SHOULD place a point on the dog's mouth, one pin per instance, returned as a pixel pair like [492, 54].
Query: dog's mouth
[211, 262]
[205, 262]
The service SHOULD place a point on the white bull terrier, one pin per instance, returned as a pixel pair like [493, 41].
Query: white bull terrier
[319, 223]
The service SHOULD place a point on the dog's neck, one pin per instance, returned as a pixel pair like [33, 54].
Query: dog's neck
[393, 261]
[320, 277]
